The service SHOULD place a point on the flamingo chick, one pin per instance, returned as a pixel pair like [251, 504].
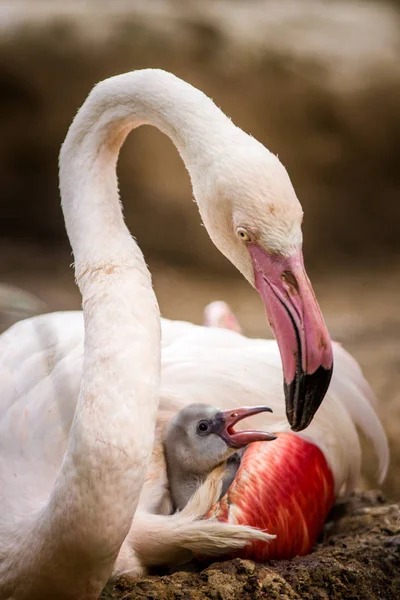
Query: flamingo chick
[201, 437]
[289, 487]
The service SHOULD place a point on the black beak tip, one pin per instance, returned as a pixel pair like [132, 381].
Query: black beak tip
[304, 396]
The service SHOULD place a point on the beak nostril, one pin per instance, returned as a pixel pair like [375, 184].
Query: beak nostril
[291, 281]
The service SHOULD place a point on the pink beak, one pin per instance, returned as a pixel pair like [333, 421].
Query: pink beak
[300, 331]
[224, 421]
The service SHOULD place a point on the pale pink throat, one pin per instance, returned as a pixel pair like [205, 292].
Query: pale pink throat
[300, 331]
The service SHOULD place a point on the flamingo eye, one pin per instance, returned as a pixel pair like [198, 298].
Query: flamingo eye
[243, 234]
[203, 427]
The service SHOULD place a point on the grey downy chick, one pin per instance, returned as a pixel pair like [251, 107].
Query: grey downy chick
[201, 437]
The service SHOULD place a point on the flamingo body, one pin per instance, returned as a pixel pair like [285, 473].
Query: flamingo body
[78, 429]
[285, 487]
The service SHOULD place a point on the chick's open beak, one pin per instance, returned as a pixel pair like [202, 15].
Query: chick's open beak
[224, 421]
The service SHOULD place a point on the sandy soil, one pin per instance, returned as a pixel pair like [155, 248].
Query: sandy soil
[357, 559]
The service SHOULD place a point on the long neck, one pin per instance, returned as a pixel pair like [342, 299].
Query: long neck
[96, 493]
[88, 158]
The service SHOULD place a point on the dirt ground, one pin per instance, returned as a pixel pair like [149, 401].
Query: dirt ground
[358, 556]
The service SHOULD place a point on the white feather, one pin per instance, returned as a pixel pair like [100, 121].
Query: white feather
[42, 360]
[78, 406]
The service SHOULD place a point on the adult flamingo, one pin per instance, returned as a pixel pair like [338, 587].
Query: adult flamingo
[68, 534]
[286, 487]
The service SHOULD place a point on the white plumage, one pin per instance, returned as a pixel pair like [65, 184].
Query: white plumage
[81, 396]
[42, 361]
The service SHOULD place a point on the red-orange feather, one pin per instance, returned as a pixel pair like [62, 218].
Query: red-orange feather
[285, 487]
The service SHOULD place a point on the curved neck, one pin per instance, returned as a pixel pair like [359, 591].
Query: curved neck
[88, 157]
[97, 489]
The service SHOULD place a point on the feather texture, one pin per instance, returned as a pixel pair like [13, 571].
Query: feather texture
[80, 393]
[42, 367]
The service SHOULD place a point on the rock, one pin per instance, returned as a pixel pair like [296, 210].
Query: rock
[357, 558]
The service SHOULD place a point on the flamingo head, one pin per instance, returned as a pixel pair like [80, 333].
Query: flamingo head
[253, 216]
[202, 436]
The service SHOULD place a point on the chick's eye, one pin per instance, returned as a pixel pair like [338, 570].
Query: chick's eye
[203, 427]
[243, 234]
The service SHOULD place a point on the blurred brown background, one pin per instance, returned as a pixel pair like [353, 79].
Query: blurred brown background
[317, 81]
